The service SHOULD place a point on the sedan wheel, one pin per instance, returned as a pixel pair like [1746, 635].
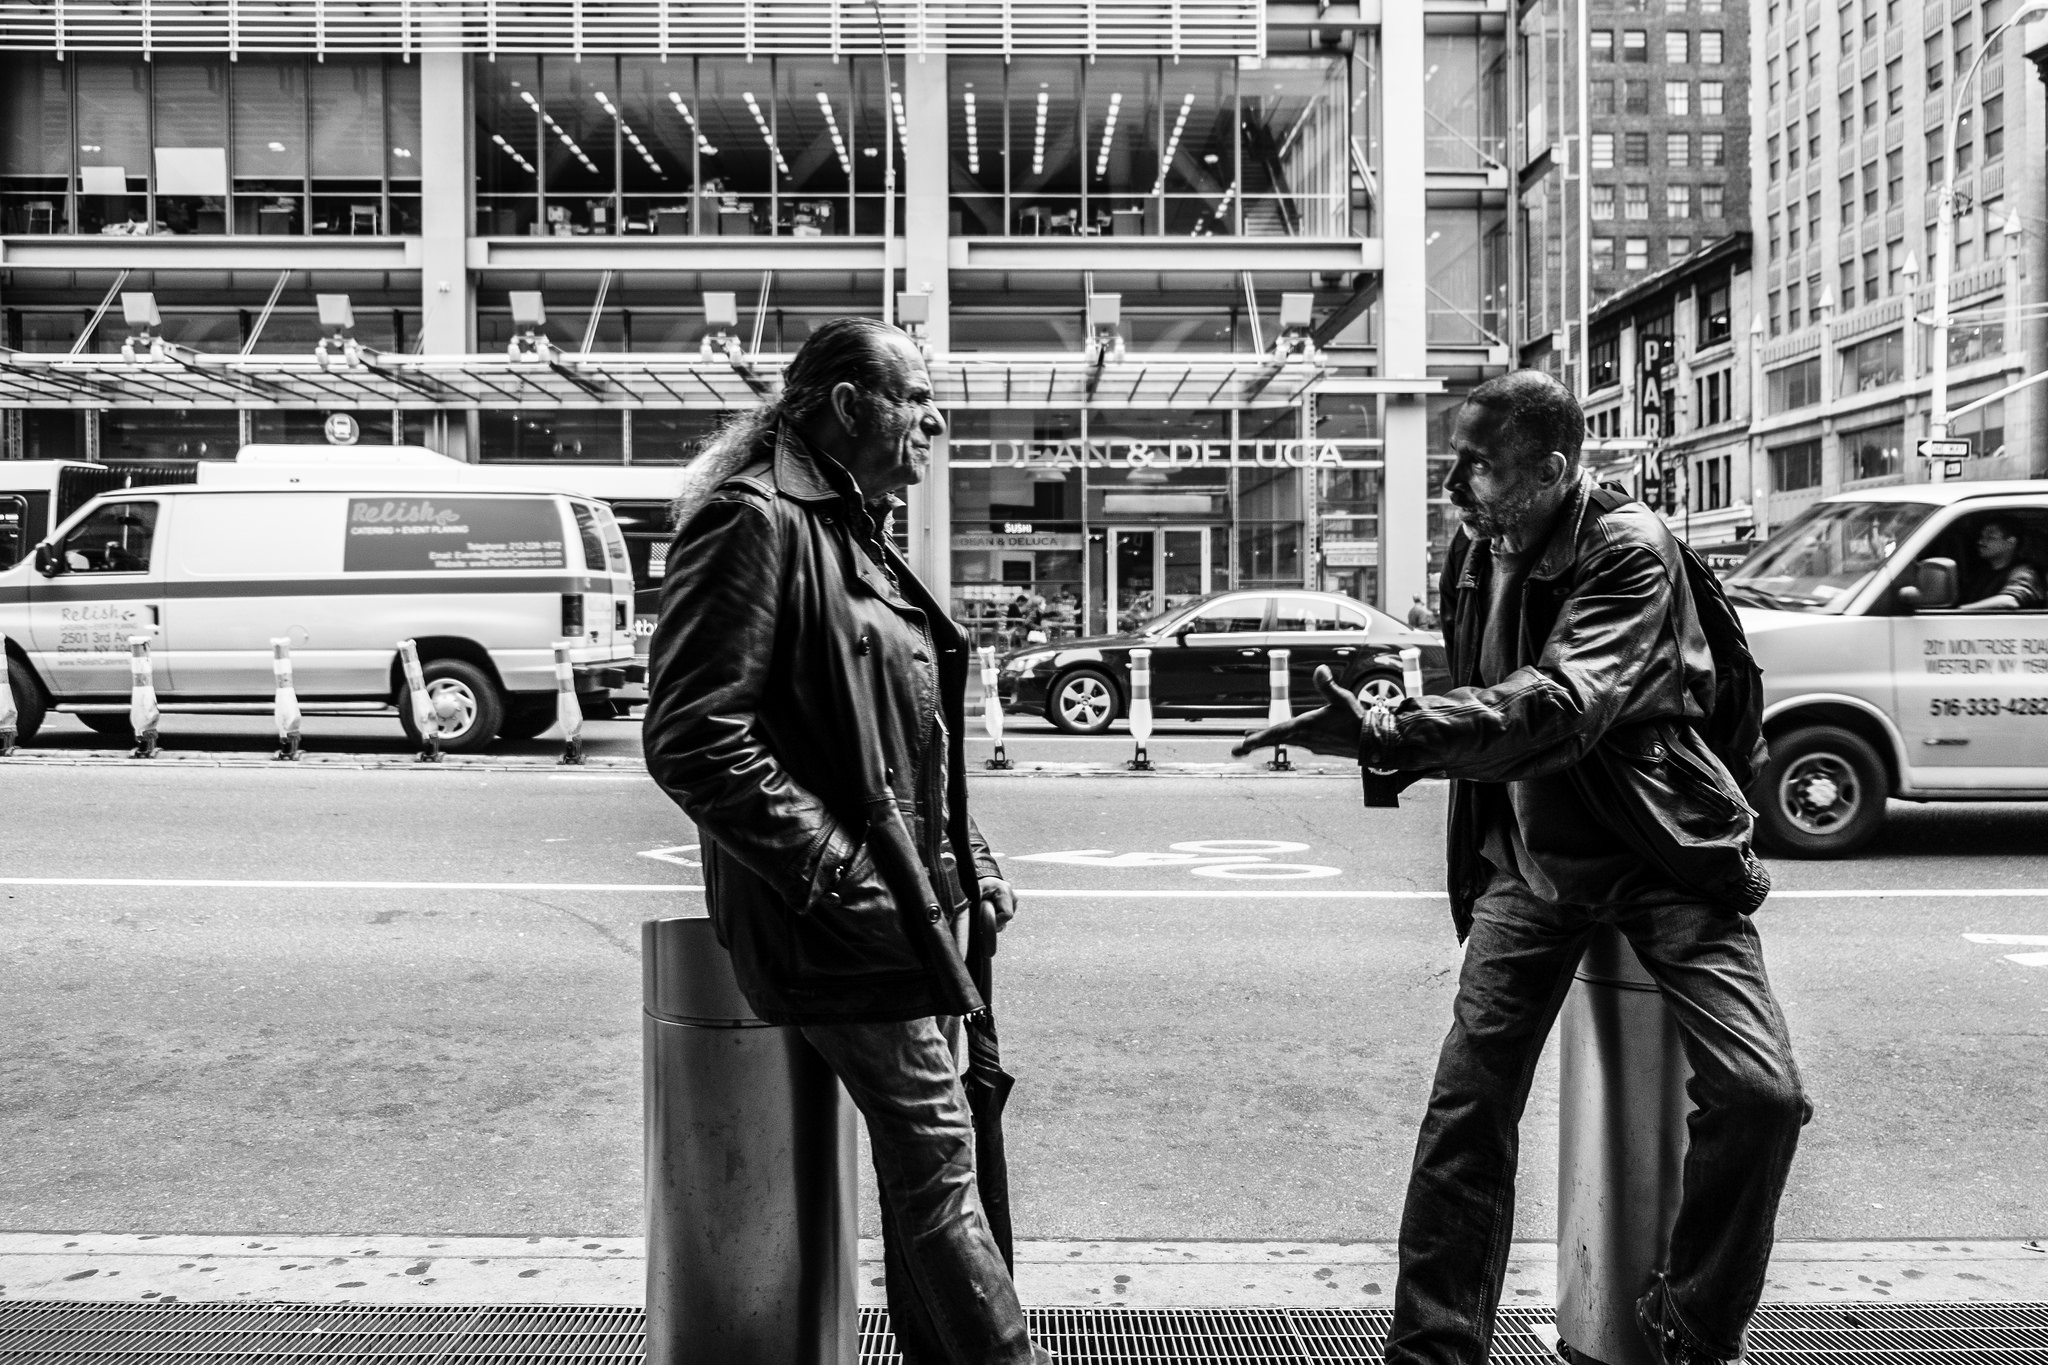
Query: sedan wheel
[1382, 689]
[1083, 703]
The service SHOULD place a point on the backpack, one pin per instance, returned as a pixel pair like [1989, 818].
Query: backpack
[1734, 727]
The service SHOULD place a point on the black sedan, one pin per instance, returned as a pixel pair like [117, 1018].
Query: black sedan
[1210, 657]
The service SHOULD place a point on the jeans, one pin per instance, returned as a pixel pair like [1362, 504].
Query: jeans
[951, 1300]
[1748, 1109]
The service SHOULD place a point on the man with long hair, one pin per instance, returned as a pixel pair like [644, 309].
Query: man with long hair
[806, 695]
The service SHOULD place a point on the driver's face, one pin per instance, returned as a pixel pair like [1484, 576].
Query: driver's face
[1995, 547]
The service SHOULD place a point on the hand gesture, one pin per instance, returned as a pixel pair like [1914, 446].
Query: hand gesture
[1332, 728]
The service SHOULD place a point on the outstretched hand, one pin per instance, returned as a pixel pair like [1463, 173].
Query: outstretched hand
[1332, 728]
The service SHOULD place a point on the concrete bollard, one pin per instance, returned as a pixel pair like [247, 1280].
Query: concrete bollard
[143, 714]
[423, 718]
[10, 720]
[1621, 1149]
[1411, 670]
[568, 711]
[1278, 708]
[992, 707]
[750, 1172]
[1141, 708]
[285, 707]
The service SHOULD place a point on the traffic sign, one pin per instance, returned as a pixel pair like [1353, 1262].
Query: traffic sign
[1944, 450]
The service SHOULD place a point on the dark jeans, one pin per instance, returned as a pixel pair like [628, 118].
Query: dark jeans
[951, 1300]
[1748, 1108]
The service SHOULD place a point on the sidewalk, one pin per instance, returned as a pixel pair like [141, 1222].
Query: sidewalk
[608, 1271]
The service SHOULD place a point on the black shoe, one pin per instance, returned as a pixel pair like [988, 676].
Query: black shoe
[1667, 1337]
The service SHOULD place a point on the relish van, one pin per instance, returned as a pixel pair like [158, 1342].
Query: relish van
[1904, 644]
[344, 561]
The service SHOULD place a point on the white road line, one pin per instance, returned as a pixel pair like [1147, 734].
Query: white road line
[1247, 892]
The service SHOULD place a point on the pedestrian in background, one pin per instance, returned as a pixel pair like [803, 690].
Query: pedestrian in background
[1420, 617]
[1582, 794]
[796, 663]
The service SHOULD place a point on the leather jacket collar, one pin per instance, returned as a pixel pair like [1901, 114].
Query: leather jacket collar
[807, 474]
[1561, 551]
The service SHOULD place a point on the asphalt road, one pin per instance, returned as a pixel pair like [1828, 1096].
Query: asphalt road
[1201, 1054]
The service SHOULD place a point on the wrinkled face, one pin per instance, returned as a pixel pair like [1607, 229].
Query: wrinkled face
[893, 445]
[1995, 547]
[1496, 490]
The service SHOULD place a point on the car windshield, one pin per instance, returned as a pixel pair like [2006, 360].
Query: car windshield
[1815, 563]
[1159, 624]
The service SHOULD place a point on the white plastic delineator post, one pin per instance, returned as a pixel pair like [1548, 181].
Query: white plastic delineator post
[286, 706]
[143, 714]
[10, 721]
[1141, 708]
[992, 706]
[1278, 707]
[568, 711]
[1411, 670]
[423, 718]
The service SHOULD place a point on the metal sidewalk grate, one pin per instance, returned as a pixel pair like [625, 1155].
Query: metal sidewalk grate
[314, 1334]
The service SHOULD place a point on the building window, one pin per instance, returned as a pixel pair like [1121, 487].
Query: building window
[1792, 152]
[1713, 149]
[1635, 253]
[1676, 47]
[1635, 201]
[1710, 399]
[1464, 105]
[1935, 162]
[1603, 152]
[1678, 149]
[1994, 127]
[1771, 144]
[1894, 178]
[1870, 276]
[1710, 98]
[1467, 260]
[1678, 98]
[1711, 201]
[1848, 285]
[1603, 253]
[1635, 45]
[1635, 149]
[1711, 324]
[1635, 97]
[1710, 47]
[1895, 87]
[1846, 187]
[1870, 101]
[1870, 188]
[1710, 483]
[1872, 363]
[1678, 201]
[1795, 466]
[1601, 41]
[1676, 249]
[1603, 201]
[1795, 386]
[1603, 358]
[1600, 96]
[1873, 452]
[1774, 302]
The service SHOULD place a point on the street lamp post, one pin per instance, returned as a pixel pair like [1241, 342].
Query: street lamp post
[1945, 230]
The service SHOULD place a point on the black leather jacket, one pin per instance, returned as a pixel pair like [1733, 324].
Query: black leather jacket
[1612, 675]
[789, 676]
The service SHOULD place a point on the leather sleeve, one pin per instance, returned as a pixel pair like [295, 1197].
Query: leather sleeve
[984, 859]
[1545, 717]
[707, 671]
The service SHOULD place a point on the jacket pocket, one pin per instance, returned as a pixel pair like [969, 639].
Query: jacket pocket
[853, 929]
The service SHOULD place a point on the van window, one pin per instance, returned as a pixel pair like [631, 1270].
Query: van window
[115, 538]
[13, 531]
[1824, 555]
[604, 549]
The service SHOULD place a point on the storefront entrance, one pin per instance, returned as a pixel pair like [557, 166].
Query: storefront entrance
[1149, 569]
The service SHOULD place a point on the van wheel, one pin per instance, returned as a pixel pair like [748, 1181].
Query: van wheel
[471, 707]
[528, 717]
[1822, 794]
[28, 701]
[113, 724]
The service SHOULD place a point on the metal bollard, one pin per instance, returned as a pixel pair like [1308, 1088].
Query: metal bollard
[751, 1181]
[10, 720]
[992, 707]
[1621, 1150]
[1141, 708]
[568, 711]
[143, 714]
[1279, 708]
[423, 718]
[286, 704]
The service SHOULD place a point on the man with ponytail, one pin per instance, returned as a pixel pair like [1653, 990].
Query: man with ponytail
[805, 710]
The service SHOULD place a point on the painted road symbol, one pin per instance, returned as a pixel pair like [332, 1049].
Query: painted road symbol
[2017, 941]
[682, 855]
[1232, 859]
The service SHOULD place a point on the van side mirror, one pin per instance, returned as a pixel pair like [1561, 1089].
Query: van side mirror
[1933, 588]
[48, 562]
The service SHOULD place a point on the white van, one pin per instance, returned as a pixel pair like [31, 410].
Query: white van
[1894, 664]
[344, 563]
